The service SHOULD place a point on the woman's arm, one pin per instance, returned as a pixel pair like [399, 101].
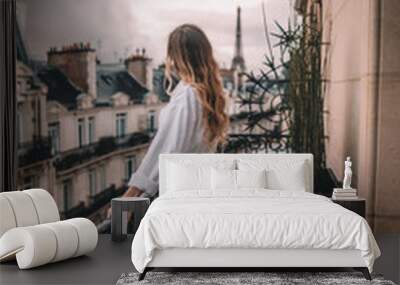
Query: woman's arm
[176, 134]
[133, 192]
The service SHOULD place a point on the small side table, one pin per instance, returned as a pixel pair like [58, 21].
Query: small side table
[355, 205]
[119, 206]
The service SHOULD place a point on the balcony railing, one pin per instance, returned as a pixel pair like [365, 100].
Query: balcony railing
[37, 150]
[104, 146]
[78, 211]
[273, 141]
[97, 202]
[101, 199]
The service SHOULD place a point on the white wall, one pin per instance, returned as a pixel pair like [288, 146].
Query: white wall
[363, 101]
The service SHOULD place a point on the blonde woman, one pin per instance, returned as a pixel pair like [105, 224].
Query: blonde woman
[195, 119]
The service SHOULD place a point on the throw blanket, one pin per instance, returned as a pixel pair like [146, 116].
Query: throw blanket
[253, 218]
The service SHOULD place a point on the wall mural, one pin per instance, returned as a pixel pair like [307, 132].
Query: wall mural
[90, 90]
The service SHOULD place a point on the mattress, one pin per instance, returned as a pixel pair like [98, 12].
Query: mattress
[250, 219]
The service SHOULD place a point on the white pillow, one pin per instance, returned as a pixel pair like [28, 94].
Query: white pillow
[251, 178]
[282, 174]
[188, 177]
[226, 179]
[186, 174]
[223, 179]
[292, 179]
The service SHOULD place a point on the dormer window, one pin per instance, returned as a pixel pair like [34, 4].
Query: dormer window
[84, 101]
[120, 99]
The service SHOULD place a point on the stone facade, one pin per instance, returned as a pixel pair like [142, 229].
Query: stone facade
[32, 132]
[82, 145]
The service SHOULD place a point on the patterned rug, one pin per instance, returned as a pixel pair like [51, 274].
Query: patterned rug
[243, 278]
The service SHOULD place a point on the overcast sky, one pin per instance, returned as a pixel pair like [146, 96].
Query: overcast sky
[117, 27]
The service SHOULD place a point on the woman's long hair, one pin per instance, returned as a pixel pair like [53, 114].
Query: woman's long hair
[190, 57]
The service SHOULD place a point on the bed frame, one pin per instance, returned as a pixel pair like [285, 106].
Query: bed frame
[242, 259]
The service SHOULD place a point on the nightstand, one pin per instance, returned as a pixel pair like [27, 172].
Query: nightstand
[355, 205]
[119, 206]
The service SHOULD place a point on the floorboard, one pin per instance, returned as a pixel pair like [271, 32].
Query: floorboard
[110, 260]
[103, 266]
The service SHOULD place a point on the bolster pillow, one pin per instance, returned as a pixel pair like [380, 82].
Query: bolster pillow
[40, 244]
[26, 208]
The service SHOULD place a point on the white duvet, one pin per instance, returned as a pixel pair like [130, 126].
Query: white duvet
[250, 219]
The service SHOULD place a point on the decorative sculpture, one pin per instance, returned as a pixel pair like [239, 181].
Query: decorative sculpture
[347, 174]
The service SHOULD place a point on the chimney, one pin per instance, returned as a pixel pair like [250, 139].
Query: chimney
[78, 62]
[137, 65]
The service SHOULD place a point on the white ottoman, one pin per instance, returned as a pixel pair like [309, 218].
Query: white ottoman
[31, 230]
[37, 245]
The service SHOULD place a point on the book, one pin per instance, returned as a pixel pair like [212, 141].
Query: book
[345, 194]
[344, 191]
[340, 190]
[344, 198]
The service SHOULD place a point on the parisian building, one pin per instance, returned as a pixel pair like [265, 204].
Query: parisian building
[83, 126]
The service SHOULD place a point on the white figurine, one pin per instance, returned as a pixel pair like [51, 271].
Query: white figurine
[347, 174]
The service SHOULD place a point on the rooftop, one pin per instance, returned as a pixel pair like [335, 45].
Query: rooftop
[60, 88]
[113, 78]
[75, 47]
[139, 55]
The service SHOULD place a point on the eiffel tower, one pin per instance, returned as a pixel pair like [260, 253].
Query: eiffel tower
[238, 60]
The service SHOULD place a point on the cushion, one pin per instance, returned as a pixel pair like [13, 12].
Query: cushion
[292, 179]
[31, 232]
[45, 205]
[183, 178]
[185, 175]
[31, 246]
[66, 237]
[87, 235]
[281, 174]
[7, 219]
[26, 208]
[23, 208]
[251, 178]
[226, 179]
[40, 244]
[223, 179]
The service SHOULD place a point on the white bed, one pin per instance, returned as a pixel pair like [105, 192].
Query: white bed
[249, 227]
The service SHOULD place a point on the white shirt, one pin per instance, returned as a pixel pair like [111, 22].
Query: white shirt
[180, 131]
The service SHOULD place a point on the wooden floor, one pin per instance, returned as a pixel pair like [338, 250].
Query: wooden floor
[110, 260]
